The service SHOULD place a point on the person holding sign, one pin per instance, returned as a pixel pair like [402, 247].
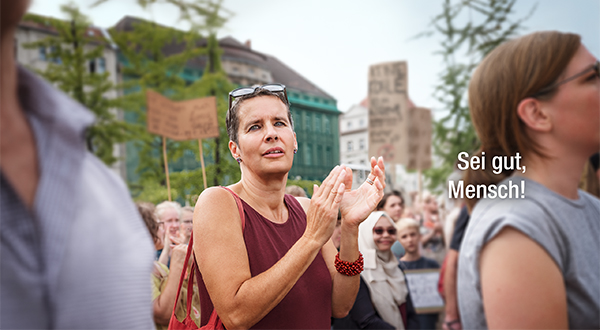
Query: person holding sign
[383, 301]
[409, 235]
[533, 262]
[279, 269]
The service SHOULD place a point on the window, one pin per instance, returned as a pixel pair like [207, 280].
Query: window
[349, 125]
[53, 55]
[101, 65]
[350, 146]
[308, 155]
[361, 123]
[321, 157]
[361, 144]
[318, 123]
[92, 66]
[327, 127]
[43, 53]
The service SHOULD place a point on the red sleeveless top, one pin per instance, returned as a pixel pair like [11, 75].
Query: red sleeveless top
[308, 304]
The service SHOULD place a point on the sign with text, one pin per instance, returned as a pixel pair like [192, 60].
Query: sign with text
[423, 287]
[388, 112]
[419, 139]
[183, 120]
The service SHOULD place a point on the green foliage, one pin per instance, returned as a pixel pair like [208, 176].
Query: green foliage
[470, 30]
[149, 66]
[69, 54]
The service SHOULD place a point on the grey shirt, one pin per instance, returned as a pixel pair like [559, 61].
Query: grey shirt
[82, 258]
[569, 231]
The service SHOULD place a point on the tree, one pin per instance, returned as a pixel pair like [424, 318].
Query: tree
[72, 53]
[470, 30]
[156, 58]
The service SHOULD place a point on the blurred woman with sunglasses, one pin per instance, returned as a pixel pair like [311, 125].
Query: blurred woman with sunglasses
[532, 261]
[383, 301]
[281, 270]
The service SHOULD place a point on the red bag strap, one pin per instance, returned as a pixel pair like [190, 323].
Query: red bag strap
[214, 320]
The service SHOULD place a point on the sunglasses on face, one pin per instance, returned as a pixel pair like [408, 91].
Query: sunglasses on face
[380, 230]
[595, 68]
[275, 88]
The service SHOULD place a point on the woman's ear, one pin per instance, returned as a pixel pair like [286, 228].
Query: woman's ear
[234, 149]
[534, 114]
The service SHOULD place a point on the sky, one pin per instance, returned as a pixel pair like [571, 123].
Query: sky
[332, 43]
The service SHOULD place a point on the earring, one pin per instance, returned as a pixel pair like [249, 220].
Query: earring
[239, 159]
[295, 150]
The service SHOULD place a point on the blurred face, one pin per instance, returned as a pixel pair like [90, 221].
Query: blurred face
[575, 108]
[170, 218]
[265, 135]
[185, 225]
[394, 207]
[409, 238]
[384, 234]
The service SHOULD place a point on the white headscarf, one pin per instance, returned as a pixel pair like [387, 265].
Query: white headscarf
[381, 273]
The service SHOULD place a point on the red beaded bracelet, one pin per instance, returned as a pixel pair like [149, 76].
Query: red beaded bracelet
[349, 268]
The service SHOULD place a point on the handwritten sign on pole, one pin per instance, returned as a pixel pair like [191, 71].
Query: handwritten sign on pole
[419, 139]
[184, 120]
[388, 112]
[422, 284]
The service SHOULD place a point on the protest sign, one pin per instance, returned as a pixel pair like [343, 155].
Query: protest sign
[419, 139]
[388, 112]
[183, 120]
[423, 284]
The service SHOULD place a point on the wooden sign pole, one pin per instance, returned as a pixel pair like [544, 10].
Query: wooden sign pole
[202, 162]
[166, 166]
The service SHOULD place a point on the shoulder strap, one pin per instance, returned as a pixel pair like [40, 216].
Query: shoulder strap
[238, 201]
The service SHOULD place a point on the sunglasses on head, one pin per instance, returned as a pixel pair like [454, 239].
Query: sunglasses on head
[595, 67]
[275, 88]
[380, 230]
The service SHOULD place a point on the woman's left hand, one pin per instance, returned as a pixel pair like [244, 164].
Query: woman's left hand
[357, 204]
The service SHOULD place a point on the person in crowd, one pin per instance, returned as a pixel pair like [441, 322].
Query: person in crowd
[186, 224]
[169, 213]
[164, 287]
[432, 228]
[383, 300]
[452, 314]
[409, 235]
[281, 270]
[73, 250]
[531, 261]
[392, 204]
[295, 191]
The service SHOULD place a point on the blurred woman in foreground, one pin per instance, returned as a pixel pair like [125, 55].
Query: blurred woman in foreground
[532, 261]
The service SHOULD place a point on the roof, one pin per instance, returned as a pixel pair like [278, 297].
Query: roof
[284, 74]
[237, 51]
[97, 34]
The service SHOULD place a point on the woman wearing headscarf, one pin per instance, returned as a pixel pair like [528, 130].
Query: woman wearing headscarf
[383, 301]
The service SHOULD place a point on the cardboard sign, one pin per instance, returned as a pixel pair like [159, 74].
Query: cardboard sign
[184, 120]
[388, 112]
[422, 284]
[399, 133]
[419, 139]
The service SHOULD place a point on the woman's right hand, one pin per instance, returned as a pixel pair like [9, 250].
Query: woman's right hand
[324, 205]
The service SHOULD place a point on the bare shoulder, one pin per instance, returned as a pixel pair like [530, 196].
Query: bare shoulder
[215, 205]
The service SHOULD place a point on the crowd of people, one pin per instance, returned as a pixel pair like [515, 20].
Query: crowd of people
[75, 254]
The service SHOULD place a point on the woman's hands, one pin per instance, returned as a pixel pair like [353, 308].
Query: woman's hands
[324, 206]
[357, 204]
